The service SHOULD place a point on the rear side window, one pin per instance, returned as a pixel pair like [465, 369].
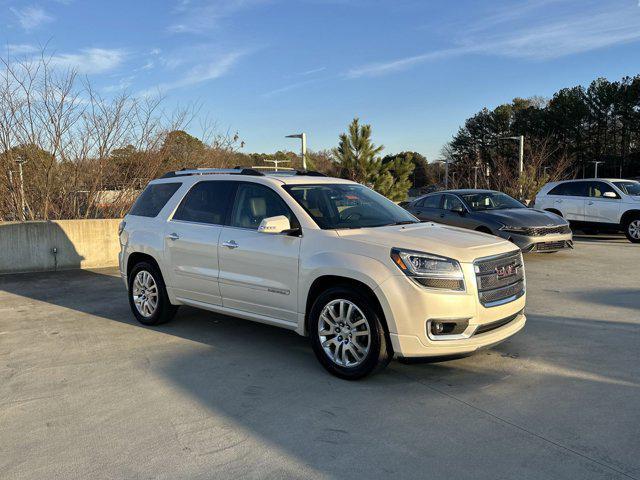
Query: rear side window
[452, 203]
[206, 202]
[574, 189]
[153, 199]
[431, 202]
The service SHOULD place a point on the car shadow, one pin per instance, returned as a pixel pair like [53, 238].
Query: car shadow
[404, 421]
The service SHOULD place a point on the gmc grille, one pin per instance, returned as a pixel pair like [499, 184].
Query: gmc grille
[500, 279]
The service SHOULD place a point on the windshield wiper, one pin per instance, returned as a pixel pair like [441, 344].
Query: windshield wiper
[402, 222]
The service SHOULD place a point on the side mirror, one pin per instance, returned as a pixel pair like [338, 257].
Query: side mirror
[274, 225]
[610, 195]
[458, 209]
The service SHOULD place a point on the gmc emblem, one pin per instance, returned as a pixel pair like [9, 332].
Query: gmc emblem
[506, 271]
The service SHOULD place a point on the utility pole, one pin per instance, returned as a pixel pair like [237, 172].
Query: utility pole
[20, 161]
[303, 150]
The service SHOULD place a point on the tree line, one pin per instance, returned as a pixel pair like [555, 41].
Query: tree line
[68, 152]
[564, 136]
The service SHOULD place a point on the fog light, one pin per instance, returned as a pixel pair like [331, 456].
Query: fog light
[446, 328]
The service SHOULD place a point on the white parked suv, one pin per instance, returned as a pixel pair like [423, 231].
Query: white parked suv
[595, 204]
[325, 257]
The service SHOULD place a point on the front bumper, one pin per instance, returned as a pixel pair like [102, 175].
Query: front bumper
[540, 243]
[409, 308]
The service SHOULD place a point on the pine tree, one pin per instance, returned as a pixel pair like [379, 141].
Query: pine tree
[359, 161]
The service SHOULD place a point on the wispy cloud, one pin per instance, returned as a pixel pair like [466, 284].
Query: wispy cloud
[20, 48]
[31, 17]
[532, 39]
[204, 15]
[200, 73]
[287, 88]
[313, 71]
[90, 60]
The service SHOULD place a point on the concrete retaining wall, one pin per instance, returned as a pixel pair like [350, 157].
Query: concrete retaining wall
[29, 246]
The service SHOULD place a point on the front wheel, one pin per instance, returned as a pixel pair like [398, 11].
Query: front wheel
[347, 334]
[632, 229]
[148, 297]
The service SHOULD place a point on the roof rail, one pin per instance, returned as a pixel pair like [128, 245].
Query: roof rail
[240, 171]
[210, 171]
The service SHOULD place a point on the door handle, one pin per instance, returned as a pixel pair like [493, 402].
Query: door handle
[442, 215]
[230, 244]
[558, 201]
[589, 203]
[173, 236]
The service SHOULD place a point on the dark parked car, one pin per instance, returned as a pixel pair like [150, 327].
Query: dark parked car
[498, 214]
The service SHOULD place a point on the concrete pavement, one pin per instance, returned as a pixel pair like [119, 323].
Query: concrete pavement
[86, 392]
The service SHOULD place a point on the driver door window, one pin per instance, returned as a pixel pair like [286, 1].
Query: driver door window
[259, 271]
[256, 202]
[597, 207]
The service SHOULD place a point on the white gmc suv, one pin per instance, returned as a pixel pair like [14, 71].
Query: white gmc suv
[325, 257]
[594, 204]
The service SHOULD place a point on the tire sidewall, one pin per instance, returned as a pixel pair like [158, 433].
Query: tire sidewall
[157, 316]
[626, 229]
[377, 356]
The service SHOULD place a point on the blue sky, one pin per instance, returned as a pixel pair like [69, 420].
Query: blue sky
[414, 69]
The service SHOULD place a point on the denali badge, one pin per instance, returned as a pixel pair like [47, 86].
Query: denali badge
[506, 271]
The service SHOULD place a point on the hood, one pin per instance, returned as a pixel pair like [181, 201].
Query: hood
[521, 217]
[457, 243]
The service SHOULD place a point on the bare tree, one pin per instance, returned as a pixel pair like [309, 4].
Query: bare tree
[86, 155]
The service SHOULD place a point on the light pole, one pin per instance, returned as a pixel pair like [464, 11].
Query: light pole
[20, 161]
[596, 163]
[520, 139]
[446, 172]
[475, 175]
[303, 151]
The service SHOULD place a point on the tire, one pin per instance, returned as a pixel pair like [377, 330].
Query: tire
[632, 229]
[147, 276]
[357, 354]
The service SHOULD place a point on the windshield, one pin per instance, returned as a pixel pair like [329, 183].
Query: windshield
[630, 188]
[348, 206]
[490, 201]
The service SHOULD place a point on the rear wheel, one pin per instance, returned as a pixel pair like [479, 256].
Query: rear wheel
[632, 229]
[347, 334]
[148, 295]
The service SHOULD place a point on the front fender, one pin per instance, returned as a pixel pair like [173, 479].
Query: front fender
[368, 270]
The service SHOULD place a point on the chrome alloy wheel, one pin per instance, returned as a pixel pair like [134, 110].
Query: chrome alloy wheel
[145, 293]
[634, 229]
[345, 334]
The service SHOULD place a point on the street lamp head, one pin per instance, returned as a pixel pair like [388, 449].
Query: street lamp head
[296, 135]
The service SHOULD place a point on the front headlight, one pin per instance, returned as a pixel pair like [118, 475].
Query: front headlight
[429, 270]
[509, 229]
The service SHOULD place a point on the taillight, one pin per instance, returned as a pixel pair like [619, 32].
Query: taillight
[121, 227]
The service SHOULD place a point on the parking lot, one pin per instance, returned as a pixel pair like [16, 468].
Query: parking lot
[86, 392]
